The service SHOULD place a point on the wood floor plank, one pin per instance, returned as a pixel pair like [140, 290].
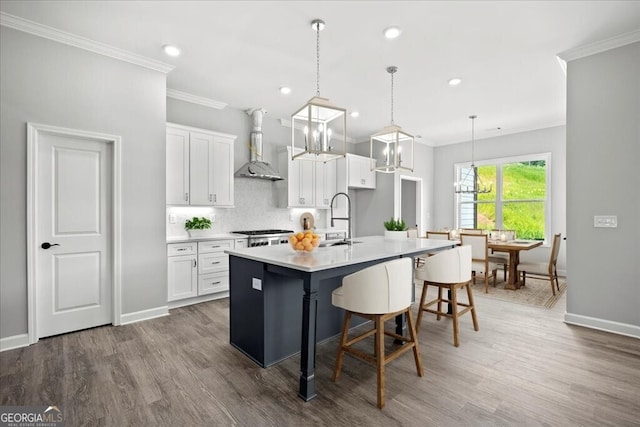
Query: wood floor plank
[524, 367]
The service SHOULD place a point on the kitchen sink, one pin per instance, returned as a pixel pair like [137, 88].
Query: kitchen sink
[328, 243]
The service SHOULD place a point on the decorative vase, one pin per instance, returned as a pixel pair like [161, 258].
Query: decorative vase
[198, 233]
[395, 235]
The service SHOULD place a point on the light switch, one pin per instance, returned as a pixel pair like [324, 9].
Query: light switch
[256, 283]
[605, 221]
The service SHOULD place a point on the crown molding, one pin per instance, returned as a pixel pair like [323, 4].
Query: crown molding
[44, 31]
[601, 46]
[195, 99]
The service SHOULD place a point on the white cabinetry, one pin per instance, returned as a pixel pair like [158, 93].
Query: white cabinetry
[359, 173]
[307, 184]
[326, 184]
[182, 270]
[198, 269]
[199, 167]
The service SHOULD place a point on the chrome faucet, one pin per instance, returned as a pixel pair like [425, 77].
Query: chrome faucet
[349, 238]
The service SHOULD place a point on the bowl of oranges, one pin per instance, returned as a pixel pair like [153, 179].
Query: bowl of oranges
[305, 241]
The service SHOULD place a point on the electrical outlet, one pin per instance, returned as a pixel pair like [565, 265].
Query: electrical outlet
[256, 283]
[291, 216]
[605, 221]
[172, 218]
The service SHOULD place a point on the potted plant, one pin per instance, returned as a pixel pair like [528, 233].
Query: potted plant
[197, 226]
[395, 229]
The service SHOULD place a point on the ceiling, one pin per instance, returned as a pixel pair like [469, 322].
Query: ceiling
[241, 52]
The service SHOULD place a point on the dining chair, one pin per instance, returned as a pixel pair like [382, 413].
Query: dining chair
[502, 258]
[543, 270]
[480, 257]
[441, 235]
[378, 293]
[450, 270]
[472, 231]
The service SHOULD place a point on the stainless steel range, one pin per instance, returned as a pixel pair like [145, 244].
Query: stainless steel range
[265, 237]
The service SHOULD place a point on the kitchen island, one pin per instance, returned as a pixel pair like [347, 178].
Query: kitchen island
[280, 300]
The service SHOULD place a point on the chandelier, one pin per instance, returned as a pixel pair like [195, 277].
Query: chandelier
[471, 182]
[319, 128]
[391, 149]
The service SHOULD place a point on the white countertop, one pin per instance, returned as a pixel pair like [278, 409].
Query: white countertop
[322, 258]
[219, 236]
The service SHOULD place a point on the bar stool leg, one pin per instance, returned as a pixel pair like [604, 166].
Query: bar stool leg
[414, 339]
[454, 315]
[423, 299]
[380, 360]
[473, 307]
[343, 342]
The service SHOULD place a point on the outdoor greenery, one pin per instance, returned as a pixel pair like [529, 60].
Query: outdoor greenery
[395, 224]
[523, 193]
[196, 223]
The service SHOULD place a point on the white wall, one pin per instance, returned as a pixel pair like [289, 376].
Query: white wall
[539, 141]
[603, 178]
[46, 82]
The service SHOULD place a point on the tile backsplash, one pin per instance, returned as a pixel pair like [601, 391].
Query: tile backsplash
[255, 208]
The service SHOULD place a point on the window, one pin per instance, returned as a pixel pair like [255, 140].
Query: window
[519, 199]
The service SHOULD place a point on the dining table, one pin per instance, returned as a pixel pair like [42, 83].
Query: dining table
[513, 248]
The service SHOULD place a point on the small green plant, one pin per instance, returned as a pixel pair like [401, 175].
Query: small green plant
[395, 224]
[196, 223]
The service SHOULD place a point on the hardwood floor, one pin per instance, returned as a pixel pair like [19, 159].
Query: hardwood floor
[524, 367]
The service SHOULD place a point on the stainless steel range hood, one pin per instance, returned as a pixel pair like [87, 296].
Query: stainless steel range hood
[256, 167]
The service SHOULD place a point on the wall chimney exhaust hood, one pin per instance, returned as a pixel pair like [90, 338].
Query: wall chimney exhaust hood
[256, 167]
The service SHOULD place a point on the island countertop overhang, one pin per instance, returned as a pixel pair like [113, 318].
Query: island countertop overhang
[369, 248]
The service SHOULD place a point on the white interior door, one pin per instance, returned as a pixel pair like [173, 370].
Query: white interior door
[74, 196]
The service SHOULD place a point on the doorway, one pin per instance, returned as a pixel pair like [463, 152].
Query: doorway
[73, 230]
[411, 209]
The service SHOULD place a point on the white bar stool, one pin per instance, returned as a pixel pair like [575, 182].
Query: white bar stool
[451, 270]
[378, 293]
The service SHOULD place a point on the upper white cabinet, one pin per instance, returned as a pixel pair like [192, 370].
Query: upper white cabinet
[199, 167]
[359, 173]
[325, 184]
[307, 184]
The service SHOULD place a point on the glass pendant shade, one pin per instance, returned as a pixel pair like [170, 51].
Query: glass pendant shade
[392, 150]
[318, 131]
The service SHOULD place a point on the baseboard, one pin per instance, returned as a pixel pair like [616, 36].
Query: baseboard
[139, 316]
[197, 300]
[15, 341]
[603, 325]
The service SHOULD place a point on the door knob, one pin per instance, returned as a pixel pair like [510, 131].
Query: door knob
[47, 245]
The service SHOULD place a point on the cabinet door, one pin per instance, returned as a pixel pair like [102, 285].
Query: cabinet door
[360, 174]
[183, 277]
[222, 172]
[325, 183]
[201, 161]
[177, 166]
[300, 182]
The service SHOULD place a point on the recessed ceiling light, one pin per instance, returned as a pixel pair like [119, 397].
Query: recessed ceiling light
[392, 32]
[355, 114]
[285, 90]
[171, 50]
[455, 81]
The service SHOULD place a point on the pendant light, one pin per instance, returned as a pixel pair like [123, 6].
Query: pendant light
[391, 149]
[319, 128]
[471, 182]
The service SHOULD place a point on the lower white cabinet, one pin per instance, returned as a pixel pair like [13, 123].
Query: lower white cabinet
[197, 268]
[183, 271]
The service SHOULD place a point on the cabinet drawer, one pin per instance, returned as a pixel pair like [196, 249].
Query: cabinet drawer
[212, 283]
[213, 263]
[187, 248]
[214, 246]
